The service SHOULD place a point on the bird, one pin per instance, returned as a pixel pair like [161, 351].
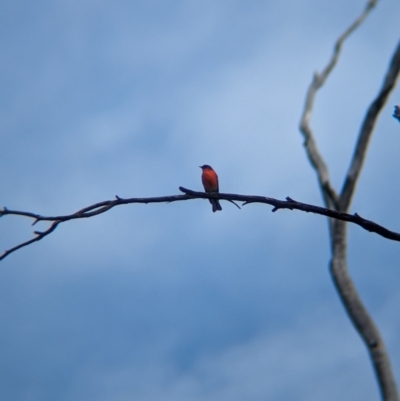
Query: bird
[396, 113]
[210, 182]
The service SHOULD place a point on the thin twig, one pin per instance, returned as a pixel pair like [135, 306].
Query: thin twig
[39, 235]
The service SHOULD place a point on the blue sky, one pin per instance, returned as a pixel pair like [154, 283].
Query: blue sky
[173, 302]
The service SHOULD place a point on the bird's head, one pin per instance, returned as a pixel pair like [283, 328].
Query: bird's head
[205, 167]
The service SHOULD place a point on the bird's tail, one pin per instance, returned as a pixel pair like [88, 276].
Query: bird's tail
[215, 205]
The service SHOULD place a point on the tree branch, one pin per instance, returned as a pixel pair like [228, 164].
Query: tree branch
[102, 207]
[367, 128]
[313, 154]
[357, 312]
[359, 315]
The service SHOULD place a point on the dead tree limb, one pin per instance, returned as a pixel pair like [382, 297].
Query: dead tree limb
[102, 207]
[367, 129]
[356, 311]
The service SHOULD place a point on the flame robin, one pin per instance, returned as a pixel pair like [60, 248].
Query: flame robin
[210, 182]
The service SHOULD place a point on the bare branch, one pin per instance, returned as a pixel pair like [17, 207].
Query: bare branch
[39, 235]
[313, 154]
[102, 207]
[338, 45]
[352, 302]
[359, 315]
[367, 128]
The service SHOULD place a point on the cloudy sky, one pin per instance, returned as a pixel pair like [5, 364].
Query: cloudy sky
[170, 301]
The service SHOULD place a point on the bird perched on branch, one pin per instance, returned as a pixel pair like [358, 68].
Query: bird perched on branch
[210, 182]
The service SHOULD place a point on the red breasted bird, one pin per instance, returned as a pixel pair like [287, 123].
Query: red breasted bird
[210, 182]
